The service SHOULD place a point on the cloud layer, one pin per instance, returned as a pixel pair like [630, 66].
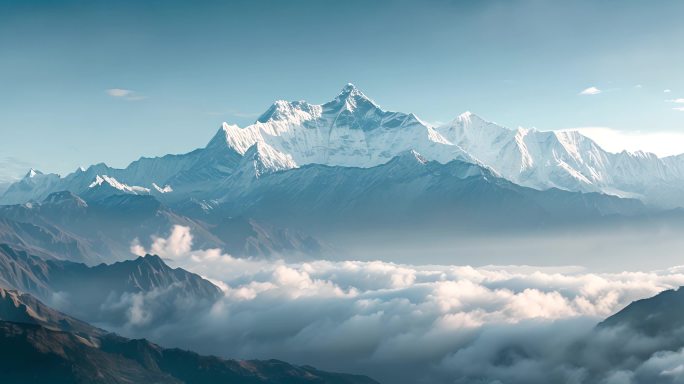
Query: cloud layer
[408, 323]
[614, 140]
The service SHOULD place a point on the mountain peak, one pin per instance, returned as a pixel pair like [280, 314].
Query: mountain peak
[32, 173]
[415, 155]
[350, 99]
[65, 197]
[104, 181]
[349, 88]
[153, 261]
[409, 158]
[468, 117]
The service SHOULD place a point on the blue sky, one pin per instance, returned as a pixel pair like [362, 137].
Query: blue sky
[175, 70]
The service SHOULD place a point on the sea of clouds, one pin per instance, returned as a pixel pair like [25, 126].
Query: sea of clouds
[418, 323]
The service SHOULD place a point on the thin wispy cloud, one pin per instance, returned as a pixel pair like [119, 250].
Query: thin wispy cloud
[590, 91]
[667, 90]
[681, 109]
[125, 94]
[118, 92]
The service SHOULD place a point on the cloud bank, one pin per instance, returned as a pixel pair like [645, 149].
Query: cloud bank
[614, 140]
[419, 323]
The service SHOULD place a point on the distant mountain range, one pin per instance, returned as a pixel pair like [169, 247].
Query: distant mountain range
[353, 131]
[305, 210]
[409, 192]
[303, 174]
[65, 226]
[39, 344]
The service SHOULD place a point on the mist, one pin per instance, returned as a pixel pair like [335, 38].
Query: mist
[414, 323]
[604, 246]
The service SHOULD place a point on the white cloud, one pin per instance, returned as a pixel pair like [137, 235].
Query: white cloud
[126, 94]
[667, 90]
[402, 323]
[678, 109]
[118, 92]
[664, 143]
[590, 91]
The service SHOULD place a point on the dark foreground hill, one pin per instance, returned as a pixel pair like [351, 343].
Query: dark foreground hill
[41, 345]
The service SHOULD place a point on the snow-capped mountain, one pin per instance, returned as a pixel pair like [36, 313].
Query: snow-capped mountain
[353, 131]
[567, 160]
[33, 184]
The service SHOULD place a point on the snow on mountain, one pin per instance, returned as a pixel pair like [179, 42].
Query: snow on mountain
[567, 160]
[113, 183]
[408, 192]
[165, 189]
[262, 159]
[11, 171]
[34, 183]
[353, 131]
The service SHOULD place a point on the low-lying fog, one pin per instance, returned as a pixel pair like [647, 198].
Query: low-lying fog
[427, 316]
[602, 248]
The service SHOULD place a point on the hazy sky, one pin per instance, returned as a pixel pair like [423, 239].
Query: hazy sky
[89, 81]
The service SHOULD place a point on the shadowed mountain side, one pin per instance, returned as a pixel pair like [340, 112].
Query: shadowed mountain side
[411, 193]
[32, 335]
[24, 308]
[44, 239]
[106, 293]
[65, 226]
[109, 224]
[658, 316]
[404, 206]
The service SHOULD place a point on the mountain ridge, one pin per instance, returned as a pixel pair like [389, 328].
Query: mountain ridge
[68, 350]
[353, 131]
